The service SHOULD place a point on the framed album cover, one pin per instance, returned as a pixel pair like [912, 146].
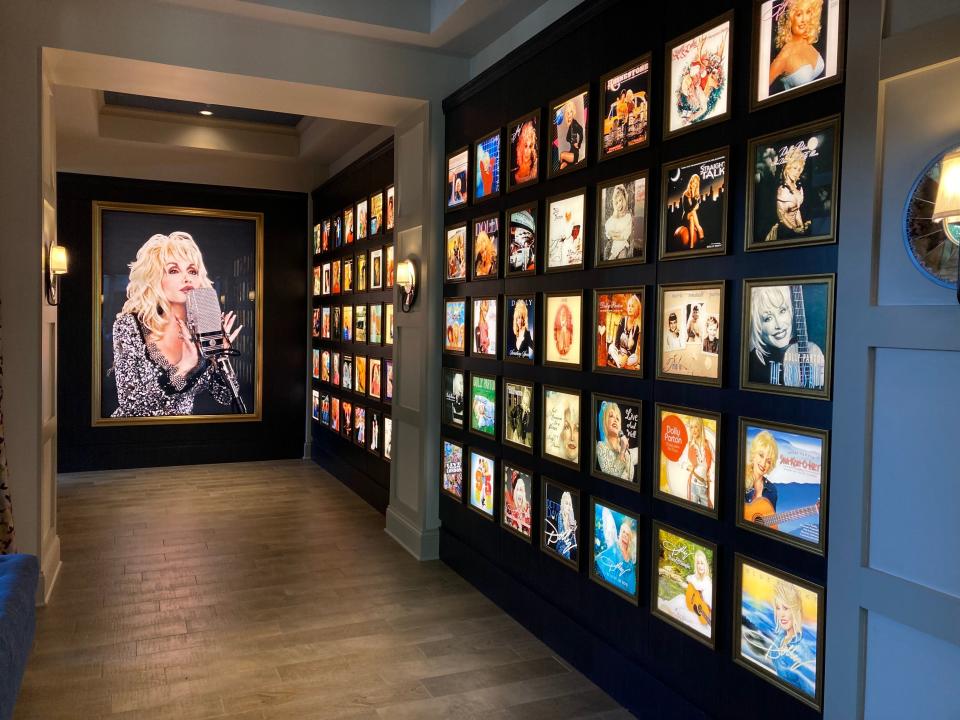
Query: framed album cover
[376, 269]
[376, 213]
[326, 286]
[360, 376]
[778, 628]
[335, 278]
[388, 381]
[390, 266]
[783, 482]
[560, 522]
[375, 382]
[455, 311]
[391, 208]
[388, 325]
[325, 366]
[568, 132]
[360, 324]
[336, 314]
[346, 372]
[362, 271]
[792, 187]
[347, 329]
[486, 167]
[315, 405]
[316, 364]
[452, 402]
[565, 225]
[523, 150]
[682, 573]
[693, 206]
[482, 483]
[373, 432]
[360, 426]
[622, 221]
[613, 552]
[516, 513]
[316, 324]
[325, 235]
[362, 219]
[346, 419]
[625, 108]
[522, 251]
[618, 330]
[562, 329]
[336, 231]
[797, 48]
[698, 74]
[335, 414]
[690, 330]
[520, 328]
[615, 439]
[686, 444]
[484, 342]
[349, 229]
[387, 438]
[787, 335]
[451, 469]
[317, 283]
[457, 178]
[486, 247]
[560, 426]
[346, 285]
[325, 409]
[335, 368]
[324, 323]
[318, 239]
[518, 414]
[483, 405]
[456, 254]
[375, 324]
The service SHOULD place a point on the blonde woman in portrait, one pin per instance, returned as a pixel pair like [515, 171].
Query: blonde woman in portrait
[699, 463]
[525, 152]
[157, 364]
[566, 527]
[618, 228]
[690, 230]
[699, 618]
[762, 457]
[522, 337]
[790, 195]
[797, 62]
[484, 256]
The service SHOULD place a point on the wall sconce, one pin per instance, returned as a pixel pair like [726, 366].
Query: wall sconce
[947, 206]
[407, 282]
[56, 266]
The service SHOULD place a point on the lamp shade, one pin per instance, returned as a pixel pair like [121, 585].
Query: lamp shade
[948, 192]
[58, 259]
[406, 274]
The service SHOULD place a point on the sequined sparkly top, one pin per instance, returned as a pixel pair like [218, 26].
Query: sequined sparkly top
[147, 384]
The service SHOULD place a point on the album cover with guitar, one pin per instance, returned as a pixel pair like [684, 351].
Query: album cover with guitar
[682, 587]
[783, 482]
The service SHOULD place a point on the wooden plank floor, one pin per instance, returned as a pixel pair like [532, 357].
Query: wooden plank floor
[269, 591]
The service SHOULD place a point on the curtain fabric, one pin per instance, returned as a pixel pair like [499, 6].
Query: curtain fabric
[7, 535]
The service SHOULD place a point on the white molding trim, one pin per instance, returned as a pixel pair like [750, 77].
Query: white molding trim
[422, 544]
[50, 565]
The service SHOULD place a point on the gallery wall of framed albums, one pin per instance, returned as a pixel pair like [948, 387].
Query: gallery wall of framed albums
[640, 251]
[121, 401]
[352, 324]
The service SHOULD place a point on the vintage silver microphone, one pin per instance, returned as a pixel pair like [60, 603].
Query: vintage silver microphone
[203, 319]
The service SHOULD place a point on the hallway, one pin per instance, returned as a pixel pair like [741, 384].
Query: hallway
[264, 591]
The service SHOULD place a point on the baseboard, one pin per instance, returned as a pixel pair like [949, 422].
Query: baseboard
[49, 570]
[422, 544]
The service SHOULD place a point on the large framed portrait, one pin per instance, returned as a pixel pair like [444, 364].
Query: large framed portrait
[615, 440]
[486, 167]
[622, 221]
[486, 247]
[562, 329]
[613, 552]
[783, 482]
[451, 469]
[618, 330]
[797, 48]
[560, 522]
[362, 220]
[792, 191]
[687, 444]
[778, 628]
[482, 482]
[484, 341]
[560, 426]
[522, 251]
[568, 132]
[683, 569]
[625, 108]
[457, 178]
[149, 365]
[516, 515]
[451, 411]
[566, 215]
[376, 213]
[787, 335]
[520, 328]
[523, 151]
[454, 312]
[693, 218]
[518, 414]
[483, 405]
[455, 267]
[698, 75]
[690, 330]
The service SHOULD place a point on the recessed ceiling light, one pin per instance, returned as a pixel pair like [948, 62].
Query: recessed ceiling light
[206, 112]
